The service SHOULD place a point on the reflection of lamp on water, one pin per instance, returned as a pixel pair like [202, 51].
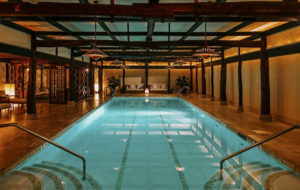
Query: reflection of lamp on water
[96, 87]
[146, 95]
[9, 89]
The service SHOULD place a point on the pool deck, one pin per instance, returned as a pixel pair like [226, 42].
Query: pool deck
[52, 119]
[15, 145]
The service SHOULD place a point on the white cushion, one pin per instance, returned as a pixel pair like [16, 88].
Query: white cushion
[139, 86]
[132, 86]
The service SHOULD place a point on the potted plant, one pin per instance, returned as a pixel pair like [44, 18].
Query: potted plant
[182, 81]
[113, 82]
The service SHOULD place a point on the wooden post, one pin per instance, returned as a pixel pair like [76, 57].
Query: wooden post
[72, 77]
[212, 98]
[197, 90]
[6, 73]
[100, 78]
[91, 76]
[223, 79]
[123, 78]
[146, 75]
[191, 77]
[31, 102]
[169, 76]
[240, 81]
[265, 82]
[203, 79]
[41, 77]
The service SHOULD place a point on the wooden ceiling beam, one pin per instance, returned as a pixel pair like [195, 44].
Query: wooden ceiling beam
[150, 29]
[153, 45]
[277, 11]
[136, 19]
[191, 30]
[107, 30]
[145, 33]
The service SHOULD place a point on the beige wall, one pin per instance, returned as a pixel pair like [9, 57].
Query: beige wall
[284, 77]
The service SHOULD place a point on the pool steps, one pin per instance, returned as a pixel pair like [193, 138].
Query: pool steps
[246, 176]
[50, 175]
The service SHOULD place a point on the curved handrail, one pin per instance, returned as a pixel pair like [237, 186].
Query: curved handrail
[254, 145]
[113, 91]
[182, 88]
[49, 141]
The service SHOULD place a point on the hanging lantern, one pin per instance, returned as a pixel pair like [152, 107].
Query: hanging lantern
[95, 53]
[206, 52]
[117, 62]
[179, 62]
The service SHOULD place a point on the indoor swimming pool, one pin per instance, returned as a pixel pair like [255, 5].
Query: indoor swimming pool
[136, 143]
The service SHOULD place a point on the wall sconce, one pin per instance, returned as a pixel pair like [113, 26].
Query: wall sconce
[96, 87]
[9, 89]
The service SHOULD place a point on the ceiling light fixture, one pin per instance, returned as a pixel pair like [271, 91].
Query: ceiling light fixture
[206, 51]
[96, 53]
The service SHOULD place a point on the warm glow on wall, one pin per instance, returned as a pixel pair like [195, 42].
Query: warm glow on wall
[9, 89]
[96, 87]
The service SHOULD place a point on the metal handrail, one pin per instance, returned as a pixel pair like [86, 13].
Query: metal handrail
[113, 91]
[255, 145]
[49, 141]
[182, 88]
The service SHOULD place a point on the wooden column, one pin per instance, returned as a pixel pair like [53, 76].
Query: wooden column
[203, 79]
[91, 76]
[31, 102]
[265, 82]
[169, 76]
[191, 77]
[223, 79]
[6, 73]
[123, 77]
[146, 75]
[41, 77]
[240, 81]
[212, 98]
[197, 90]
[100, 78]
[72, 77]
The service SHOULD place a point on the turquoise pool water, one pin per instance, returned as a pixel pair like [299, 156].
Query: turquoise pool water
[155, 143]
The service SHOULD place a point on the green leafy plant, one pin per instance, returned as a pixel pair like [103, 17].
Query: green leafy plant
[182, 81]
[113, 82]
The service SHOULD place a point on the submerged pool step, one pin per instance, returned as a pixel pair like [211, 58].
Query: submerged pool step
[94, 185]
[70, 180]
[60, 177]
[25, 180]
[255, 180]
[50, 175]
[235, 179]
[248, 176]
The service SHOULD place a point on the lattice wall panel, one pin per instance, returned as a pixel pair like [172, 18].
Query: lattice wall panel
[16, 76]
[58, 85]
[81, 83]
